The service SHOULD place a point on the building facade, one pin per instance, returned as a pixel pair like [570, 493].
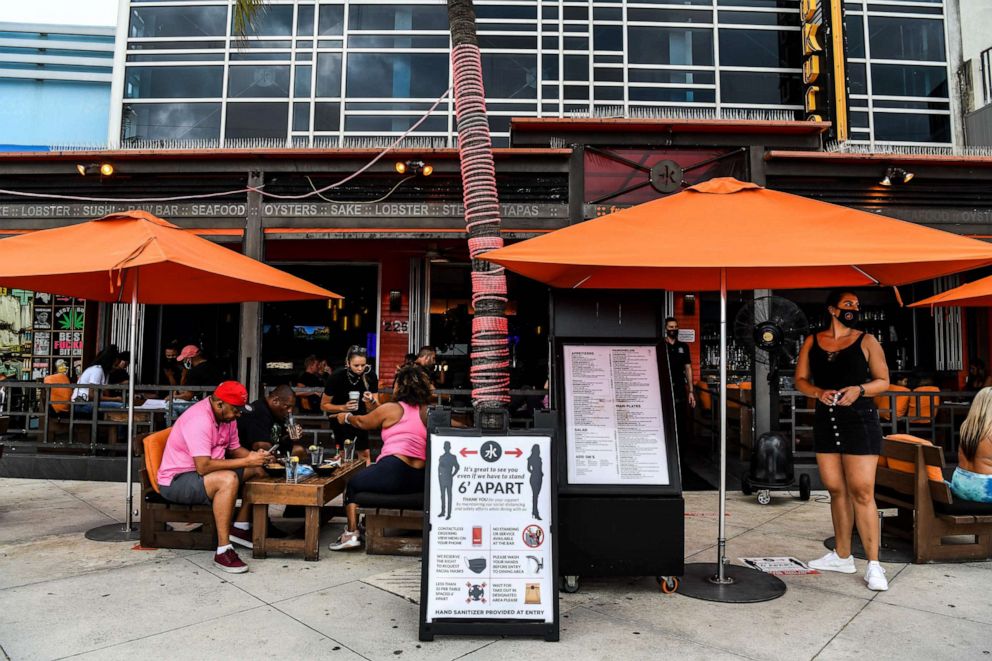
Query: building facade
[326, 74]
[55, 83]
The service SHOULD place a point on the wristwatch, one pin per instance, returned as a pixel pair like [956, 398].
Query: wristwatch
[861, 389]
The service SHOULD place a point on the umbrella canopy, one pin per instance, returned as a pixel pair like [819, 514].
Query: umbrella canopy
[99, 259]
[977, 294]
[763, 239]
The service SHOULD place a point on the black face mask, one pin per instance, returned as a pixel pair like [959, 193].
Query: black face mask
[672, 333]
[849, 318]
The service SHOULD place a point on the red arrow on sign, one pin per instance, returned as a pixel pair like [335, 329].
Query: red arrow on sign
[517, 452]
[466, 452]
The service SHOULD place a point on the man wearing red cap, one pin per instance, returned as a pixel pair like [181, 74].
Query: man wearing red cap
[204, 464]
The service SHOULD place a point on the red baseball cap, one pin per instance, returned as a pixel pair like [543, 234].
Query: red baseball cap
[188, 352]
[233, 393]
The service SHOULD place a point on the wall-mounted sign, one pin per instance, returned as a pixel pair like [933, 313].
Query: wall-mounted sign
[824, 76]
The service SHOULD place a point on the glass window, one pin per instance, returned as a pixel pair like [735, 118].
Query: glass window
[908, 80]
[398, 17]
[906, 38]
[394, 123]
[271, 21]
[607, 37]
[331, 20]
[505, 11]
[607, 93]
[854, 32]
[758, 18]
[608, 74]
[576, 67]
[495, 41]
[401, 41]
[301, 116]
[670, 46]
[329, 74]
[905, 127]
[669, 15]
[761, 48]
[256, 120]
[304, 21]
[549, 67]
[171, 121]
[670, 76]
[327, 117]
[671, 94]
[301, 86]
[509, 76]
[575, 13]
[258, 81]
[761, 87]
[499, 124]
[857, 78]
[178, 21]
[397, 75]
[858, 120]
[174, 82]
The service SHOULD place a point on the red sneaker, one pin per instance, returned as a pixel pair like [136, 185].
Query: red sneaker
[239, 536]
[230, 562]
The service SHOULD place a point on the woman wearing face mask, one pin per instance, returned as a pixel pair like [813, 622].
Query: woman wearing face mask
[844, 368]
[351, 389]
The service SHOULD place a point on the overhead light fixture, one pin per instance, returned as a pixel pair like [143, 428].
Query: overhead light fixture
[102, 169]
[896, 175]
[414, 168]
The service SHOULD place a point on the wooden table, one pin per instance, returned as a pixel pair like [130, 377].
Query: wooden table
[312, 493]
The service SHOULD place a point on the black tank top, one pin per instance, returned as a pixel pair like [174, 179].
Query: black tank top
[834, 370]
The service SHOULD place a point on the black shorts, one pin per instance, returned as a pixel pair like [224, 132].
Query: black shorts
[188, 488]
[851, 429]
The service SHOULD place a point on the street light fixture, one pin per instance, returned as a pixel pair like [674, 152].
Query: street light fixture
[896, 175]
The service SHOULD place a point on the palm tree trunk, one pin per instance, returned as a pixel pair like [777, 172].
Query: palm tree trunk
[490, 371]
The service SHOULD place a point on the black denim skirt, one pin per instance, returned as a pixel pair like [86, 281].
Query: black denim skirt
[851, 429]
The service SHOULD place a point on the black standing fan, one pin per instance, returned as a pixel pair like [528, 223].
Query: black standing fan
[772, 328]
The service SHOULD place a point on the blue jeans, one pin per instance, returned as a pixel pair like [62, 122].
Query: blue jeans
[87, 408]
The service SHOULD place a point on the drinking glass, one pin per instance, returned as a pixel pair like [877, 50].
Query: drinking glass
[317, 456]
[349, 451]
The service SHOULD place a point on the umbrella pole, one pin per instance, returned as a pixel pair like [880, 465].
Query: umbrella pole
[114, 532]
[724, 583]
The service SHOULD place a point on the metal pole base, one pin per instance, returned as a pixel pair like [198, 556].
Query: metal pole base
[112, 532]
[746, 586]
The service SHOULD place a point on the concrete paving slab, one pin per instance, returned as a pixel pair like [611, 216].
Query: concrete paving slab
[884, 632]
[62, 556]
[811, 522]
[980, 565]
[796, 626]
[59, 517]
[259, 633]
[742, 511]
[589, 635]
[280, 577]
[92, 611]
[758, 544]
[374, 623]
[946, 589]
[701, 533]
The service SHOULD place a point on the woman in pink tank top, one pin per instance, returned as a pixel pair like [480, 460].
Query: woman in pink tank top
[400, 466]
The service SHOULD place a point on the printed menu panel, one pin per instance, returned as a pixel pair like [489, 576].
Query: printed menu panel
[615, 431]
[490, 540]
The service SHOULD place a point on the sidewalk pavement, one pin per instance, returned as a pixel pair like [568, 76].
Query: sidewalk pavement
[64, 596]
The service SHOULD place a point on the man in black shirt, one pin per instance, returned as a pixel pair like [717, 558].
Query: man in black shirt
[311, 377]
[263, 423]
[199, 372]
[680, 365]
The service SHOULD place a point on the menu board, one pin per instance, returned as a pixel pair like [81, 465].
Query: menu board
[490, 546]
[615, 432]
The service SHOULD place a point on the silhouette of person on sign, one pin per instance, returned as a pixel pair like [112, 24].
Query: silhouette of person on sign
[535, 468]
[447, 467]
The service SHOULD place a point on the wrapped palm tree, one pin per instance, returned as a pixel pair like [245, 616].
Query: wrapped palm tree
[490, 376]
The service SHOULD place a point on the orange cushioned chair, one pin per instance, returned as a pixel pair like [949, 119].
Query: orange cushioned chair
[884, 404]
[157, 512]
[933, 472]
[922, 409]
[705, 395]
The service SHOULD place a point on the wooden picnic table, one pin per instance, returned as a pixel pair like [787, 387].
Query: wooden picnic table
[312, 493]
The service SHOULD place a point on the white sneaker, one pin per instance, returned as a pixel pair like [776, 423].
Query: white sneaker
[833, 562]
[875, 577]
[347, 540]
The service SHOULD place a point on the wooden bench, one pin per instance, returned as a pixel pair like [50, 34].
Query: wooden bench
[387, 512]
[928, 512]
[157, 512]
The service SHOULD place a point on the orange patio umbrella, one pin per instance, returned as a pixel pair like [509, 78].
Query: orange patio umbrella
[977, 294]
[136, 257]
[726, 234]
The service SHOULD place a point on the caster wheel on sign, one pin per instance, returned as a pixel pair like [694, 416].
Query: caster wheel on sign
[764, 496]
[746, 486]
[571, 585]
[669, 584]
[804, 487]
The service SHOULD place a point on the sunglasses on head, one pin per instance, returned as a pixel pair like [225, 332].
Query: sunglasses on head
[355, 349]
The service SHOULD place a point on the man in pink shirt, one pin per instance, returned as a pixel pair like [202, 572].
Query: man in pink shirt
[204, 464]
